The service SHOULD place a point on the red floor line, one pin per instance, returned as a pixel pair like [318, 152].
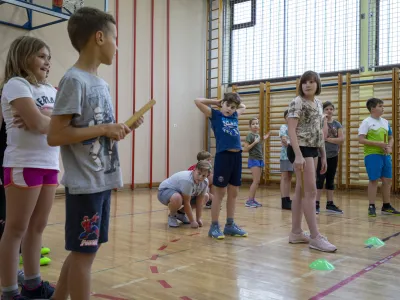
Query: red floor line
[185, 298]
[162, 247]
[354, 277]
[107, 297]
[154, 257]
[154, 269]
[164, 284]
[194, 233]
[173, 241]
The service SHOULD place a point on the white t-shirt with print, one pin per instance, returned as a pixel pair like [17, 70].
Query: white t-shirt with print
[26, 148]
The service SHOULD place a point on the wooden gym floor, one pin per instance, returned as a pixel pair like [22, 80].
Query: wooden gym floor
[144, 259]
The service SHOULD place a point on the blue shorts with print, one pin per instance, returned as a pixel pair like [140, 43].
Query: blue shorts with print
[87, 221]
[255, 163]
[227, 169]
[378, 166]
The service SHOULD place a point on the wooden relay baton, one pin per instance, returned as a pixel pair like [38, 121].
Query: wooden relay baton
[136, 116]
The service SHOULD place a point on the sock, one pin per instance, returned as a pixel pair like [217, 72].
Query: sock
[386, 205]
[229, 221]
[32, 282]
[10, 292]
[372, 205]
[214, 223]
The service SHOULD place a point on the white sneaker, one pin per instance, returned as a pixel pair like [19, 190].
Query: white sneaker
[321, 243]
[173, 221]
[299, 238]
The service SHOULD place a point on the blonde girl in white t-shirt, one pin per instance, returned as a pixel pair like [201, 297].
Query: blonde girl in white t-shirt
[31, 166]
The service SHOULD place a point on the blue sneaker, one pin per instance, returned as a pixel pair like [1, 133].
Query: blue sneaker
[215, 232]
[250, 203]
[258, 204]
[234, 230]
[43, 291]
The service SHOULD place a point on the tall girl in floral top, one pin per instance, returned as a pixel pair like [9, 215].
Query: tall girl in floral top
[305, 123]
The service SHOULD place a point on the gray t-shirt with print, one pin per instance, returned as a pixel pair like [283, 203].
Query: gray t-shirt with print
[332, 149]
[183, 183]
[91, 166]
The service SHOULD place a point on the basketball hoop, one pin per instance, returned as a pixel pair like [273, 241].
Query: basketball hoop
[72, 5]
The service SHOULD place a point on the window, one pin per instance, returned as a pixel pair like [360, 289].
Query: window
[287, 37]
[384, 33]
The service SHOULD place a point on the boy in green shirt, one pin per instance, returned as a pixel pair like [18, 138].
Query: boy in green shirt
[376, 135]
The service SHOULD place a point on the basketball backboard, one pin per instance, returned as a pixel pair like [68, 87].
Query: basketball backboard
[34, 14]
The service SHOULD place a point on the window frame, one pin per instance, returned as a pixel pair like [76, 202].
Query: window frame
[252, 23]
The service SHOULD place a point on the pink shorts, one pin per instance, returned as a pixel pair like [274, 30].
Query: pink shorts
[30, 177]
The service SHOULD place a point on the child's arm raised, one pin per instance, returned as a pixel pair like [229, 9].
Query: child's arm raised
[240, 110]
[202, 104]
[62, 133]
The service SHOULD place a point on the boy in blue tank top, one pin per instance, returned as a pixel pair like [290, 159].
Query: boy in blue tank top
[228, 159]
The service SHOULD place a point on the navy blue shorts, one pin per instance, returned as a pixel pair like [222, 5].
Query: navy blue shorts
[227, 169]
[87, 221]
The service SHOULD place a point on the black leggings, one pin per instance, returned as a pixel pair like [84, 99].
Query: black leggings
[329, 175]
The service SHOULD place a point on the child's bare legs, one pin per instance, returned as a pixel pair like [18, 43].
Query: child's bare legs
[79, 278]
[216, 203]
[215, 230]
[230, 227]
[372, 190]
[75, 277]
[297, 207]
[256, 173]
[231, 201]
[32, 242]
[174, 204]
[62, 291]
[286, 179]
[386, 186]
[329, 194]
[20, 206]
[308, 202]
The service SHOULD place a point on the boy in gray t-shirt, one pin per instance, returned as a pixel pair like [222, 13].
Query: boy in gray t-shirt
[83, 125]
[180, 188]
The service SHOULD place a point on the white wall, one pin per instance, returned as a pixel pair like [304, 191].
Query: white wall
[187, 77]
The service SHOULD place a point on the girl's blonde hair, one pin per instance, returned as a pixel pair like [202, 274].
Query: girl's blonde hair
[21, 51]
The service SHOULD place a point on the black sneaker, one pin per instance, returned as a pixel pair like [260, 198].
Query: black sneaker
[208, 204]
[331, 207]
[371, 211]
[317, 207]
[389, 210]
[44, 291]
[286, 203]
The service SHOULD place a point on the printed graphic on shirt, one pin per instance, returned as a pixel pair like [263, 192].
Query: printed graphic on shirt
[230, 126]
[103, 150]
[90, 235]
[332, 131]
[44, 100]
